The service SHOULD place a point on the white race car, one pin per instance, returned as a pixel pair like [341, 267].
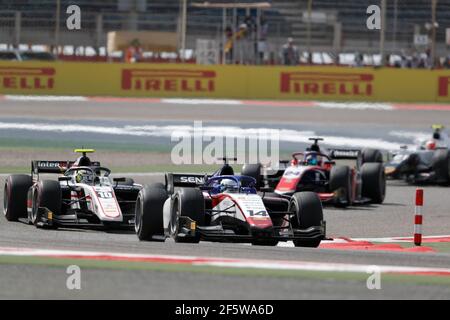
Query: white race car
[85, 196]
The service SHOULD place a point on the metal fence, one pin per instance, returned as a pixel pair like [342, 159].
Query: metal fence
[334, 27]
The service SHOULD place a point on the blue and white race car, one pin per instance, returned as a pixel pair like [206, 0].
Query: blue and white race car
[225, 207]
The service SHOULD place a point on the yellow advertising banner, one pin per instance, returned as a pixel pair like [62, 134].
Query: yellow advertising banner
[234, 82]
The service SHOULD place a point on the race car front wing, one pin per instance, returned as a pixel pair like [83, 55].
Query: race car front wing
[188, 228]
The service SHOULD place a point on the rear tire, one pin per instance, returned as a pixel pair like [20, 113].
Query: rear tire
[341, 181]
[148, 220]
[188, 202]
[371, 155]
[254, 171]
[127, 182]
[441, 166]
[158, 185]
[308, 213]
[373, 182]
[47, 194]
[15, 196]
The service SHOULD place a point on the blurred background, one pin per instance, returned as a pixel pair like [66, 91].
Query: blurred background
[415, 33]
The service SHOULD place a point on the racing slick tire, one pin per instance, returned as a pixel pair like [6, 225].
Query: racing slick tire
[15, 196]
[127, 182]
[254, 171]
[341, 180]
[441, 166]
[158, 185]
[371, 155]
[373, 182]
[308, 212]
[148, 221]
[47, 194]
[188, 202]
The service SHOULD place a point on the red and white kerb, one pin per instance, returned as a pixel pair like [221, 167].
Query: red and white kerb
[418, 217]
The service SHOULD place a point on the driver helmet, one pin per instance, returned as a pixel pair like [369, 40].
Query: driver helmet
[430, 145]
[311, 159]
[228, 185]
[83, 176]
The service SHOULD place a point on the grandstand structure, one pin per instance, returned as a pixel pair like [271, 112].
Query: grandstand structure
[334, 27]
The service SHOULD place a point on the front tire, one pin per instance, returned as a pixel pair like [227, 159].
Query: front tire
[188, 202]
[148, 220]
[308, 212]
[15, 196]
[47, 194]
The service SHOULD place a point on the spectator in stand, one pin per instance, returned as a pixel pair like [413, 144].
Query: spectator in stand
[133, 52]
[262, 43]
[404, 62]
[229, 44]
[359, 60]
[428, 59]
[290, 54]
[243, 45]
[446, 63]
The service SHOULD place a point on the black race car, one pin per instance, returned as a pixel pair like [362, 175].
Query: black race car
[427, 162]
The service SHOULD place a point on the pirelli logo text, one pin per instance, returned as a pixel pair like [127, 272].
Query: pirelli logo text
[444, 87]
[27, 78]
[169, 80]
[326, 84]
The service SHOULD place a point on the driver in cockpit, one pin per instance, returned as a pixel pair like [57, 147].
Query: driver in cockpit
[228, 185]
[312, 159]
[84, 176]
[439, 139]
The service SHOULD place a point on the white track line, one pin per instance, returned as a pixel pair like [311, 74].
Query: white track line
[203, 101]
[45, 98]
[397, 239]
[355, 105]
[175, 131]
[223, 262]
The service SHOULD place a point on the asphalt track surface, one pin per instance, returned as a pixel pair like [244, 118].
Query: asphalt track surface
[264, 113]
[394, 218]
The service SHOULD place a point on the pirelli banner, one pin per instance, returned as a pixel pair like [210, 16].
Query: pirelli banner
[238, 82]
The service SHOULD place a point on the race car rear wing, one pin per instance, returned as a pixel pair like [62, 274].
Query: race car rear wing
[184, 180]
[45, 166]
[344, 154]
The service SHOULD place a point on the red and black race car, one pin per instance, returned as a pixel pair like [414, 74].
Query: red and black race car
[314, 170]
